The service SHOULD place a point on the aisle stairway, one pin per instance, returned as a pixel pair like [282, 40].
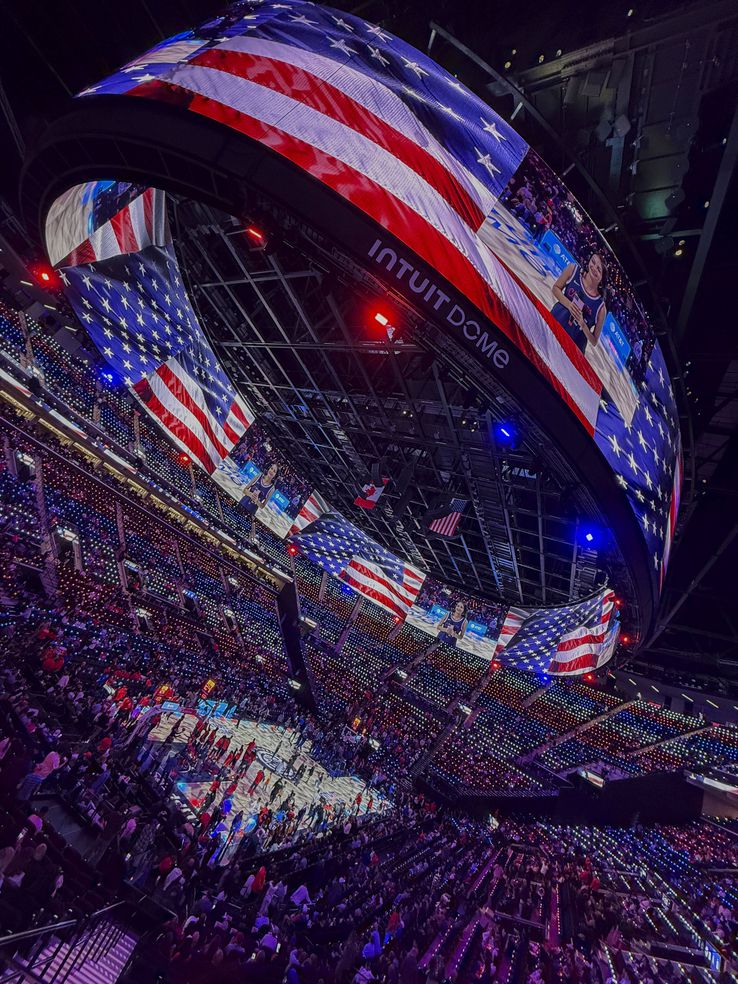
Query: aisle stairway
[98, 957]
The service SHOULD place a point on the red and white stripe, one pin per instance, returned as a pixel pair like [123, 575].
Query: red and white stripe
[314, 507]
[369, 495]
[588, 646]
[178, 402]
[240, 418]
[142, 223]
[372, 581]
[446, 525]
[513, 620]
[360, 139]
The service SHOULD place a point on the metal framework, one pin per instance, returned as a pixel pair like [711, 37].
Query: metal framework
[337, 394]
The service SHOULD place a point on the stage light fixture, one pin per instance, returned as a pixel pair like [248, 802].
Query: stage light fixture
[292, 550]
[184, 459]
[256, 237]
[381, 319]
[506, 434]
[591, 537]
[45, 276]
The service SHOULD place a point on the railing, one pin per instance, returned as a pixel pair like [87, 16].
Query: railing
[26, 955]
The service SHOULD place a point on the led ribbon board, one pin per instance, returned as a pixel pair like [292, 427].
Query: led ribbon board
[441, 199]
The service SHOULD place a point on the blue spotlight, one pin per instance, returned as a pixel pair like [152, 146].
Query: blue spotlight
[506, 433]
[591, 537]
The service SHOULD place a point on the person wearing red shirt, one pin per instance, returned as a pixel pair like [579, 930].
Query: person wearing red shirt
[258, 778]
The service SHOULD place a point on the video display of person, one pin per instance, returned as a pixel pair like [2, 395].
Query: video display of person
[452, 627]
[260, 489]
[269, 487]
[541, 233]
[457, 619]
[580, 301]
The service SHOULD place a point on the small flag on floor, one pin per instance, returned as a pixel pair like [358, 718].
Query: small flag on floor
[446, 519]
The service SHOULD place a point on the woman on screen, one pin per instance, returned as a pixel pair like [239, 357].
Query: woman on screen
[580, 301]
[260, 489]
[452, 627]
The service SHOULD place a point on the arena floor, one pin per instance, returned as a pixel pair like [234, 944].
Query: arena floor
[275, 746]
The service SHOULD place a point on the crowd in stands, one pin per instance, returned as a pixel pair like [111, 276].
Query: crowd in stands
[420, 894]
[143, 606]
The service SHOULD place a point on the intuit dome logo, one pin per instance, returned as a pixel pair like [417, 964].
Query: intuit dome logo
[417, 283]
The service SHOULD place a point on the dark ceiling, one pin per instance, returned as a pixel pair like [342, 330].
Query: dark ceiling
[638, 107]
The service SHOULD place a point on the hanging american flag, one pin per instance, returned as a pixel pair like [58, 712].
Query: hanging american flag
[136, 310]
[315, 505]
[447, 523]
[565, 641]
[346, 552]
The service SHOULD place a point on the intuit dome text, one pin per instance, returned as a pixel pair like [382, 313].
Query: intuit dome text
[451, 313]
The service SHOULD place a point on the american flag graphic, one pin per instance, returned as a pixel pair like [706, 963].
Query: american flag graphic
[389, 130]
[371, 580]
[385, 127]
[513, 620]
[136, 310]
[446, 524]
[565, 641]
[346, 552]
[140, 223]
[589, 645]
[314, 506]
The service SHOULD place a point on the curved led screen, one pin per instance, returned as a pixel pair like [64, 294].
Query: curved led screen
[498, 251]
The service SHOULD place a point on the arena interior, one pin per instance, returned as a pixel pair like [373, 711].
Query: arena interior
[368, 493]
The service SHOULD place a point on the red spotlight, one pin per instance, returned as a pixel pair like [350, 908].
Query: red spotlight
[625, 639]
[381, 319]
[292, 550]
[184, 459]
[397, 619]
[589, 677]
[256, 236]
[45, 276]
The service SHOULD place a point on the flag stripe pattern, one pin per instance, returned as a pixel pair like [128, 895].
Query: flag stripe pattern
[565, 641]
[349, 554]
[136, 310]
[513, 621]
[580, 650]
[389, 130]
[371, 581]
[139, 224]
[314, 507]
[446, 525]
